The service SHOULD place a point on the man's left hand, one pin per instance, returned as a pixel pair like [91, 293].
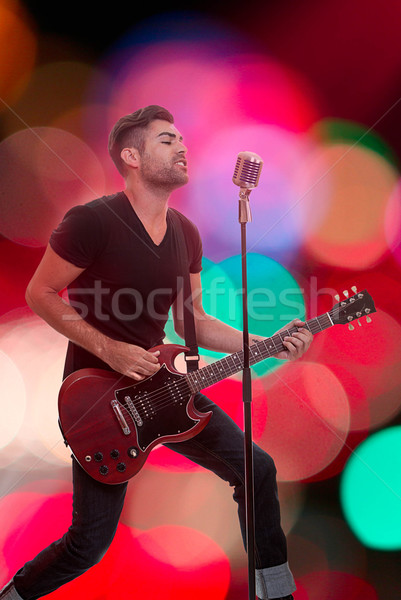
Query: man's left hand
[297, 343]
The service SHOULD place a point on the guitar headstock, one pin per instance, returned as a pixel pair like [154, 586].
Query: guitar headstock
[352, 307]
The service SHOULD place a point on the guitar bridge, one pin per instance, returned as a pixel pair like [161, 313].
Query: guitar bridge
[120, 417]
[133, 410]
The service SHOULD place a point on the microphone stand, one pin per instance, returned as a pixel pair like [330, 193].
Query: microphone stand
[244, 218]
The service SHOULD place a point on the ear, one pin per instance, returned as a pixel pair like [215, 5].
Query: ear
[130, 156]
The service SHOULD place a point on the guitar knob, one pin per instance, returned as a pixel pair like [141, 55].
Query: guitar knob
[103, 470]
[98, 456]
[121, 467]
[114, 454]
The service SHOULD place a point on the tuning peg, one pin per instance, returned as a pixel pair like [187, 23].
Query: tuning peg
[351, 327]
[337, 297]
[346, 293]
[368, 319]
[353, 288]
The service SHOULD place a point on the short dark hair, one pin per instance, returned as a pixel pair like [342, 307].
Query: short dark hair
[129, 131]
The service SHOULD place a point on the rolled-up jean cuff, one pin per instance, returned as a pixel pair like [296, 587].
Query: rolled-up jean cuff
[9, 592]
[274, 582]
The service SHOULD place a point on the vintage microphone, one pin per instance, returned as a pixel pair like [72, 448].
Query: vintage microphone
[246, 176]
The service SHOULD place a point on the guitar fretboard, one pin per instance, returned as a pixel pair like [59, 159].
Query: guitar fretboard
[229, 365]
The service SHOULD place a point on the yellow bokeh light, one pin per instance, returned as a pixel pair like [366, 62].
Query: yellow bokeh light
[38, 353]
[17, 51]
[352, 233]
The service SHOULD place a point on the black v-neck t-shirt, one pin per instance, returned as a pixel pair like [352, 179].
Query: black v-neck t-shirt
[129, 282]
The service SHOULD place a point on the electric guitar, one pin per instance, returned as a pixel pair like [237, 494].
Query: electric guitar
[111, 422]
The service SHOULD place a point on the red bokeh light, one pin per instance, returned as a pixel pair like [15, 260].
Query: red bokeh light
[308, 419]
[29, 522]
[334, 585]
[59, 170]
[367, 362]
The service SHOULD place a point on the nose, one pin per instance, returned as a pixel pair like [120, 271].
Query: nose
[183, 149]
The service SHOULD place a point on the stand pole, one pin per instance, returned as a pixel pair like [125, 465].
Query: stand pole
[244, 217]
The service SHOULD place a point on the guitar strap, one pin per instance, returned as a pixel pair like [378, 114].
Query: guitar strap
[192, 357]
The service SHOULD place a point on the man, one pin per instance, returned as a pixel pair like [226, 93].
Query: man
[113, 255]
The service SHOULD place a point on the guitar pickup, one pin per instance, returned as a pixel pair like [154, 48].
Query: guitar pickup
[120, 417]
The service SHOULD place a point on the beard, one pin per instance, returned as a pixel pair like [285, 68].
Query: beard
[166, 176]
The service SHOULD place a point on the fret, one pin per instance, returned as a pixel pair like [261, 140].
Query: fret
[216, 371]
[238, 361]
[313, 328]
[318, 322]
[269, 345]
[274, 343]
[225, 362]
[280, 346]
[232, 357]
[261, 350]
[255, 355]
[205, 376]
[220, 368]
[192, 382]
[328, 321]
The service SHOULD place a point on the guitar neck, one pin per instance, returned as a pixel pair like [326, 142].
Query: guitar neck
[229, 365]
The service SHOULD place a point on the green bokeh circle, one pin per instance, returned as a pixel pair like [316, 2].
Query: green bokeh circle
[274, 299]
[370, 490]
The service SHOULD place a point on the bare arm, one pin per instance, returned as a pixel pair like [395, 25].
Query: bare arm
[213, 334]
[42, 295]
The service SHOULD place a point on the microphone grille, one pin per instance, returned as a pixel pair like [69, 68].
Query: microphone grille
[247, 170]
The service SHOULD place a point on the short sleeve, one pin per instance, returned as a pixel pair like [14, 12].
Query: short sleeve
[78, 237]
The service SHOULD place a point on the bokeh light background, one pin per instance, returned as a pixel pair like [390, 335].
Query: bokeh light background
[314, 88]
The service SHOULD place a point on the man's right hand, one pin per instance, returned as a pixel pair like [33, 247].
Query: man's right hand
[130, 360]
[55, 274]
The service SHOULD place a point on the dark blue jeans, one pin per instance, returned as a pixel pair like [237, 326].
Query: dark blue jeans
[97, 508]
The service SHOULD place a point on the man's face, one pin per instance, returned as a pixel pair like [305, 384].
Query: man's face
[163, 162]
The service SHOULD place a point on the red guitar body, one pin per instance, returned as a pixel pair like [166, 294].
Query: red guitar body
[112, 422]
